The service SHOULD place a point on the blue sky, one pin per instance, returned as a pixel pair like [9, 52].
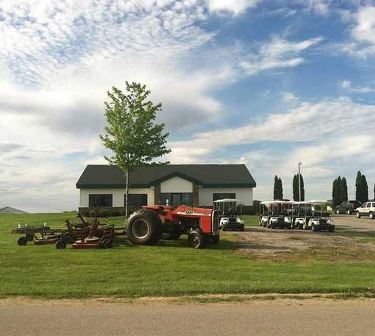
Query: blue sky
[266, 83]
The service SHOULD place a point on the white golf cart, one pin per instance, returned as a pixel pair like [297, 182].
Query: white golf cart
[315, 216]
[229, 211]
[272, 214]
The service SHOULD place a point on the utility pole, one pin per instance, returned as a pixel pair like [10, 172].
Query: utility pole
[299, 180]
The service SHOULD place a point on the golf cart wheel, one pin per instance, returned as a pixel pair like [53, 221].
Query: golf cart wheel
[196, 239]
[144, 228]
[22, 241]
[348, 212]
[357, 214]
[314, 228]
[30, 237]
[371, 215]
[60, 244]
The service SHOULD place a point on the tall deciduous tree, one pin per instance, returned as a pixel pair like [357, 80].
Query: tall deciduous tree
[358, 185]
[361, 191]
[364, 189]
[344, 190]
[131, 133]
[339, 191]
[298, 178]
[278, 188]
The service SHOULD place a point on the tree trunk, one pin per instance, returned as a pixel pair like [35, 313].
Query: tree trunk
[127, 193]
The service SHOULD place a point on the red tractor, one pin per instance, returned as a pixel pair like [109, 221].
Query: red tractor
[146, 225]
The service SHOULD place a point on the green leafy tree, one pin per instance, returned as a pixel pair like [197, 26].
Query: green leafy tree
[344, 190]
[296, 190]
[131, 133]
[339, 191]
[358, 187]
[278, 188]
[364, 189]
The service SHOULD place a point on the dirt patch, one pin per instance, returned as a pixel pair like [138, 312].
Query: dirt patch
[262, 243]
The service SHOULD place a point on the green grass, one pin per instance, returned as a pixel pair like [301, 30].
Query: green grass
[168, 269]
[251, 220]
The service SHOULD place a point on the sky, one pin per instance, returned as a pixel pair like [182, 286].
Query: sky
[265, 83]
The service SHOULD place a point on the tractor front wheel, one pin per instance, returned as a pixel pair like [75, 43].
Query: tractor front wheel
[196, 239]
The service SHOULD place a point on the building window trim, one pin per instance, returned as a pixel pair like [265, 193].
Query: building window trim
[137, 200]
[100, 200]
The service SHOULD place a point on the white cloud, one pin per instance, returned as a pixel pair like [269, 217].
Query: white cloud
[323, 135]
[362, 43]
[289, 97]
[279, 53]
[321, 7]
[364, 30]
[234, 7]
[346, 84]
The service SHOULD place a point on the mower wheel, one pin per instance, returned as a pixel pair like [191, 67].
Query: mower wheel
[105, 243]
[30, 237]
[196, 239]
[22, 241]
[144, 228]
[60, 244]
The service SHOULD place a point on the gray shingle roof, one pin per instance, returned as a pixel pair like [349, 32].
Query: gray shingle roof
[206, 175]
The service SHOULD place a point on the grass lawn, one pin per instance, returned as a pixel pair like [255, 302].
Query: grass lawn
[168, 269]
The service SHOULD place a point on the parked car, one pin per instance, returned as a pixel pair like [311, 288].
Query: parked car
[366, 209]
[347, 207]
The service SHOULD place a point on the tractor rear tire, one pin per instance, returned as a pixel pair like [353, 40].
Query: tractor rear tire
[196, 239]
[22, 241]
[144, 228]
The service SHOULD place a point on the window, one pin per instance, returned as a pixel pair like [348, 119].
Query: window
[177, 198]
[219, 196]
[137, 199]
[100, 200]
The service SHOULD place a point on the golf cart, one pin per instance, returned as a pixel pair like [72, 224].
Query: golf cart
[229, 216]
[272, 214]
[291, 212]
[303, 213]
[315, 216]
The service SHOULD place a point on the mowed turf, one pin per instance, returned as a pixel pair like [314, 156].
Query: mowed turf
[169, 269]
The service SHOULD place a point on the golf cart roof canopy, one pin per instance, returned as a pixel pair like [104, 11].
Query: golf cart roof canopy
[274, 202]
[227, 200]
[319, 202]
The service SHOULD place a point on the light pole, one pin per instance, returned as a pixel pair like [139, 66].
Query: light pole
[299, 180]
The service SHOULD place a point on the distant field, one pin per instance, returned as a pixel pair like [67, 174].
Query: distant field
[172, 268]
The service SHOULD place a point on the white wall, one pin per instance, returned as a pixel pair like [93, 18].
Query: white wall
[245, 195]
[118, 195]
[176, 185]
